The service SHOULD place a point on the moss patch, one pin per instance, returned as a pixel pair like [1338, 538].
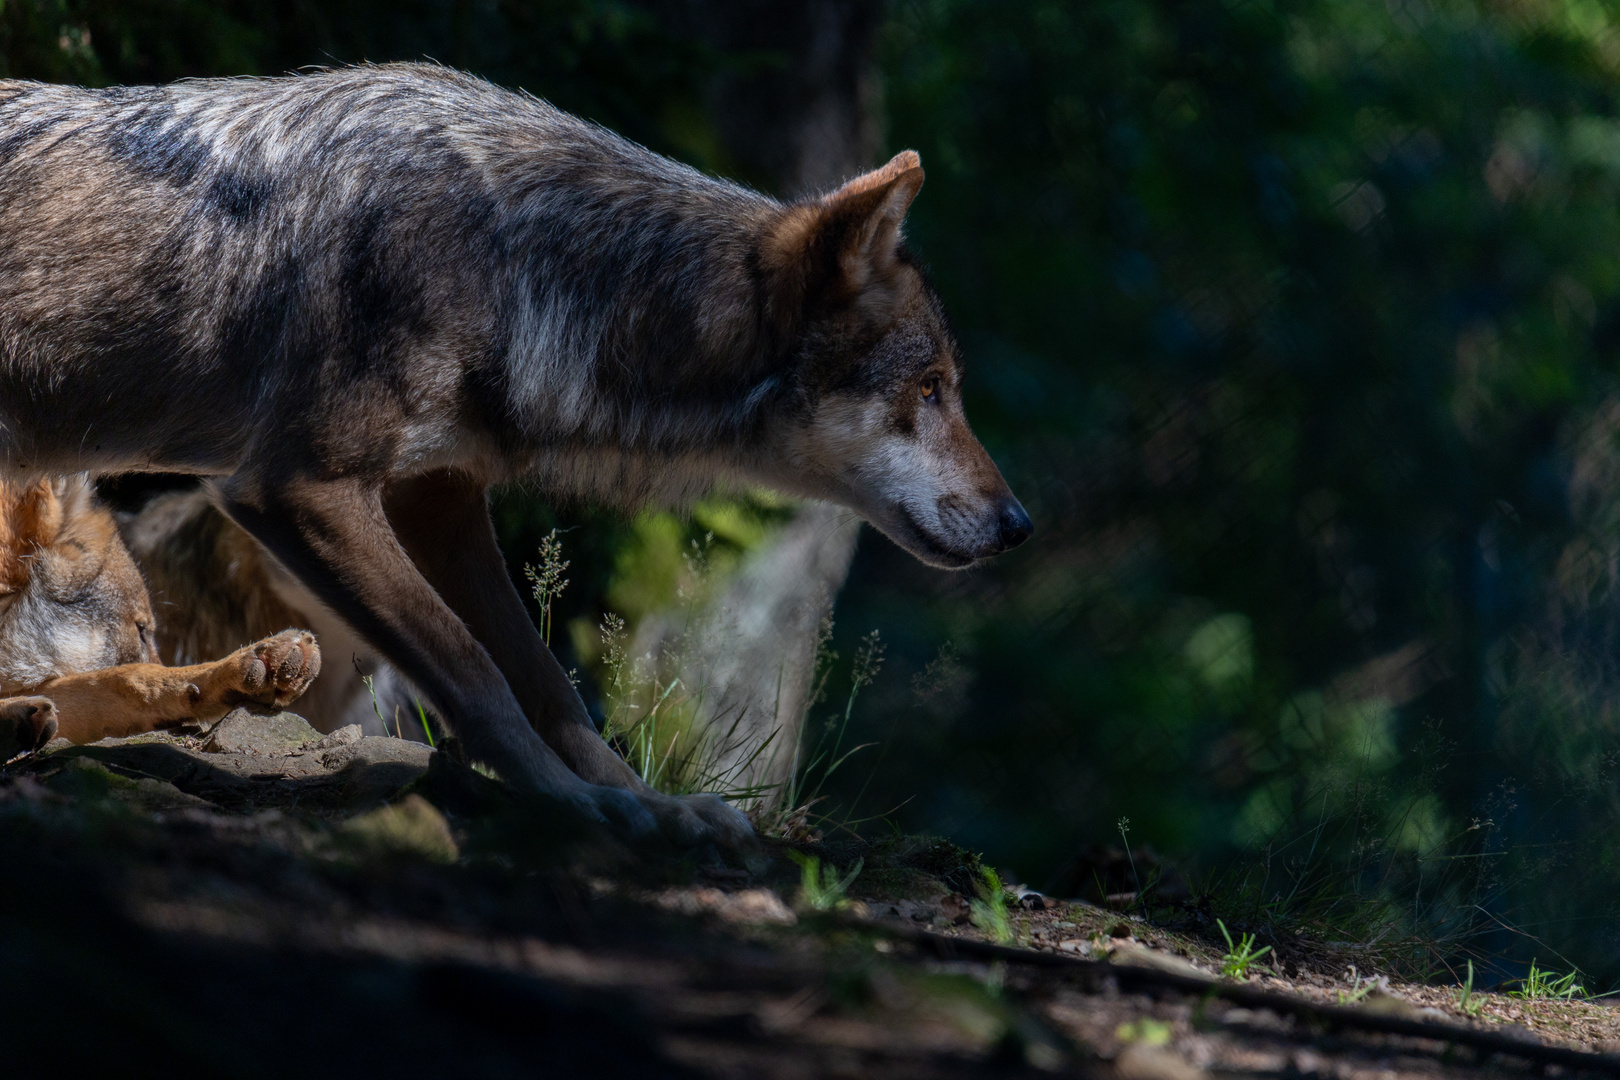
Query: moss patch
[412, 828]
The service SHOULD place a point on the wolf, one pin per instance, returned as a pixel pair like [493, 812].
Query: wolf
[78, 647]
[355, 299]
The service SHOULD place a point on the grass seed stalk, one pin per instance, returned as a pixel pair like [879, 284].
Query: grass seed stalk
[547, 579]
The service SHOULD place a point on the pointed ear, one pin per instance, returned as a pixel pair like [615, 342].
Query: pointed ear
[75, 497]
[30, 519]
[36, 515]
[864, 216]
[835, 246]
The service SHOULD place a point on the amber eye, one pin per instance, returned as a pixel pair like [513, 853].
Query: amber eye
[930, 388]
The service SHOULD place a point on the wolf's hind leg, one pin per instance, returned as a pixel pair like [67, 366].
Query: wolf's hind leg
[26, 723]
[334, 536]
[443, 521]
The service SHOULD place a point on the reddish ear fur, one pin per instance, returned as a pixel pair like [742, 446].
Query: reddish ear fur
[30, 519]
[864, 217]
[834, 246]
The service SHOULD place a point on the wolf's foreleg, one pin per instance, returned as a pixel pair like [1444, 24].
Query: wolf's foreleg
[132, 699]
[442, 519]
[334, 536]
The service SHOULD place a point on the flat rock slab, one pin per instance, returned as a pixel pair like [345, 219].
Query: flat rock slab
[248, 762]
[243, 733]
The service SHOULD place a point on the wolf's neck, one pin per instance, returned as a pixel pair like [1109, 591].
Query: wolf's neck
[642, 312]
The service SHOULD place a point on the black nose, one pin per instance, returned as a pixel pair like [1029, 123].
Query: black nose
[1015, 525]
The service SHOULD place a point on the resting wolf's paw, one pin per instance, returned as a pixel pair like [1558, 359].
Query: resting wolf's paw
[274, 671]
[26, 723]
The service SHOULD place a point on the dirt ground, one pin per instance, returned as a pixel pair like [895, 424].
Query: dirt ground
[265, 901]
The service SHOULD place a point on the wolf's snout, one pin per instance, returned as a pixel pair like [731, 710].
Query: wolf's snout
[1015, 525]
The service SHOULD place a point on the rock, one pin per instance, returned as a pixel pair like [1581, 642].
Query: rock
[343, 736]
[954, 909]
[747, 906]
[1384, 1003]
[1140, 1061]
[916, 910]
[84, 777]
[252, 762]
[758, 905]
[241, 732]
[459, 789]
[169, 760]
[378, 768]
[1137, 955]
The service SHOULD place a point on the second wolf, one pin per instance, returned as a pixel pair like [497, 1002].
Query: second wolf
[78, 655]
[357, 298]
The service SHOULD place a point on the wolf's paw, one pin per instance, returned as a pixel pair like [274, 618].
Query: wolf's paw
[615, 808]
[701, 821]
[274, 671]
[26, 723]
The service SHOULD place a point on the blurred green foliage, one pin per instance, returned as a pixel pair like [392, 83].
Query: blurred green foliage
[1294, 323]
[1295, 326]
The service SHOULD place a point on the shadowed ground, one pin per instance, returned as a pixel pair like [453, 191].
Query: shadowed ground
[263, 901]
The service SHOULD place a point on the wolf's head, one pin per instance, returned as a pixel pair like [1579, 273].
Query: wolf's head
[879, 424]
[71, 598]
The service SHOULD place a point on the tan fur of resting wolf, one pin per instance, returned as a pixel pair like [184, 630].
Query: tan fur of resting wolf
[77, 647]
[357, 298]
[215, 587]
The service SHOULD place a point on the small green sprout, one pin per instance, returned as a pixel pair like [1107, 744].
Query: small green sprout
[1235, 964]
[1466, 1001]
[1541, 985]
[989, 911]
[820, 887]
[1147, 1031]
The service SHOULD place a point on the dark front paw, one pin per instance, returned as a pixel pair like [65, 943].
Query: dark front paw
[702, 822]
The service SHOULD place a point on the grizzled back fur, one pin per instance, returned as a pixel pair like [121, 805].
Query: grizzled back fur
[343, 236]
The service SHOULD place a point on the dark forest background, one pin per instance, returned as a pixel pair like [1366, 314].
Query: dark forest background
[1296, 325]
